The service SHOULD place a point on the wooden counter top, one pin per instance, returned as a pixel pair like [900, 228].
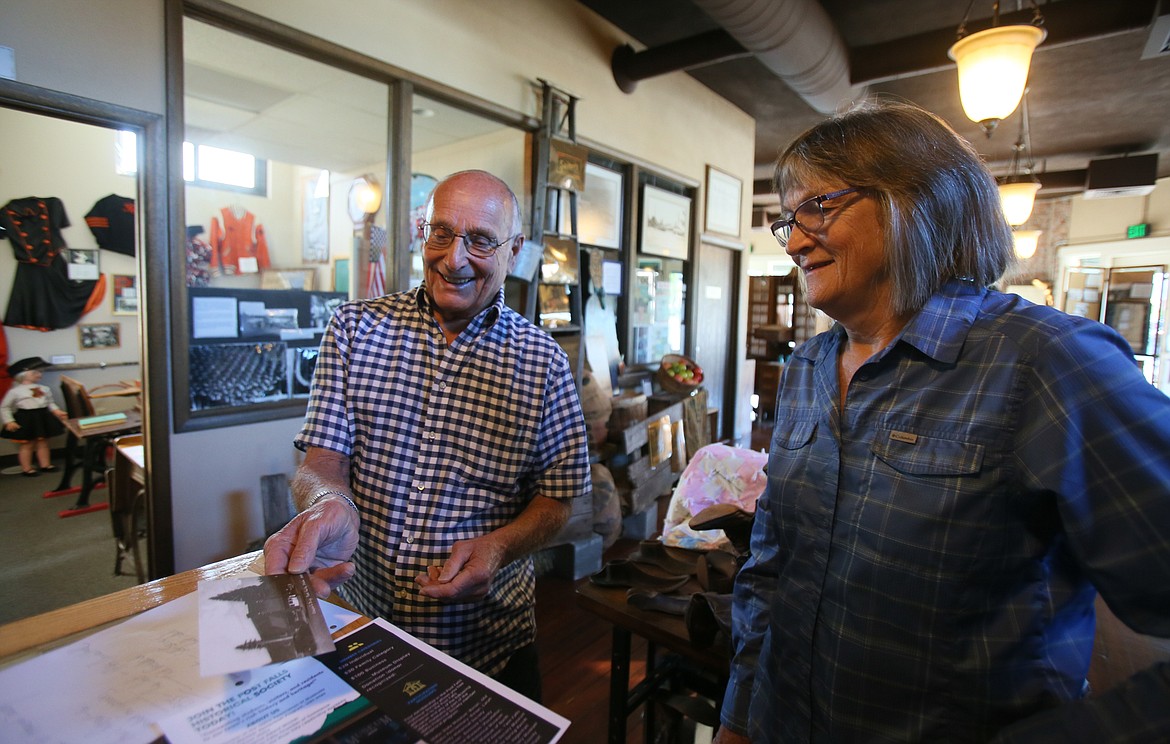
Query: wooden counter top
[33, 635]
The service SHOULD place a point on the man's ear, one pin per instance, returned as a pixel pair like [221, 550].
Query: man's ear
[517, 244]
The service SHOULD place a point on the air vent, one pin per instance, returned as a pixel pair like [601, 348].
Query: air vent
[1131, 176]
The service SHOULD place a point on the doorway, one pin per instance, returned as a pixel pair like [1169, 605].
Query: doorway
[86, 167]
[714, 336]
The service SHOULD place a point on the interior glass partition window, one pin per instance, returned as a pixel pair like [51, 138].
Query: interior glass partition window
[657, 308]
[446, 139]
[284, 161]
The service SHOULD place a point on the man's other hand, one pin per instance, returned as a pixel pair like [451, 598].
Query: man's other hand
[468, 572]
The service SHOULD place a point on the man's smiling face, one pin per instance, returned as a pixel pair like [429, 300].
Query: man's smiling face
[460, 285]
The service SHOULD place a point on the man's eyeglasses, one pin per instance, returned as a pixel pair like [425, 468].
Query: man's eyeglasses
[809, 215]
[440, 238]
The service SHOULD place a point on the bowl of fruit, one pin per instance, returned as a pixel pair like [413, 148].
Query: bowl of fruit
[678, 374]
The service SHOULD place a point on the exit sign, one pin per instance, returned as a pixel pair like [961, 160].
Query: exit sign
[1138, 231]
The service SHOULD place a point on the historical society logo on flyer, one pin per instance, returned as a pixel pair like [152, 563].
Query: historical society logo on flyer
[417, 691]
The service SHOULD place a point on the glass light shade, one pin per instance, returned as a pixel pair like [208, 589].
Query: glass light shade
[368, 197]
[1026, 242]
[1017, 198]
[993, 69]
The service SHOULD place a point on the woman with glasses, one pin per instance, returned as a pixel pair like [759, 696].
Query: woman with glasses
[443, 443]
[954, 473]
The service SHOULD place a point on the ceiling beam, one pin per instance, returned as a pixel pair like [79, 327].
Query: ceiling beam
[630, 66]
[1067, 22]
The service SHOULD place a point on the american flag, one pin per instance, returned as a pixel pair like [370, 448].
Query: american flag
[376, 276]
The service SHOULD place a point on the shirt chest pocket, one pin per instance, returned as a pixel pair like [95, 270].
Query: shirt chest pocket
[918, 455]
[929, 496]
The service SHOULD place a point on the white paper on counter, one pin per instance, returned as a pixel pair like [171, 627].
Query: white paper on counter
[275, 703]
[117, 685]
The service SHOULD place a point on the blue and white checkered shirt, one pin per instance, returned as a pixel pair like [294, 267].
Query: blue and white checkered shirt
[445, 443]
[924, 561]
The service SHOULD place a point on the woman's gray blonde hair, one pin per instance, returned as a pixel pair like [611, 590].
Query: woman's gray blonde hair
[939, 203]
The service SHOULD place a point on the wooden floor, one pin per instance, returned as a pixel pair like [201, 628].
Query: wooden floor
[575, 650]
[574, 659]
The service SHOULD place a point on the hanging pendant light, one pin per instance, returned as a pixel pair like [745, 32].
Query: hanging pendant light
[1026, 242]
[993, 66]
[1017, 190]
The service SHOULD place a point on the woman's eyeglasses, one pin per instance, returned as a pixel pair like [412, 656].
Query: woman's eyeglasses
[809, 215]
[440, 238]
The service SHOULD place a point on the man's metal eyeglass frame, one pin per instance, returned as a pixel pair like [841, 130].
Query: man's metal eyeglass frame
[782, 228]
[470, 240]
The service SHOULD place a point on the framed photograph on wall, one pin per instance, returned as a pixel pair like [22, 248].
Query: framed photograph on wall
[100, 335]
[666, 223]
[83, 264]
[724, 199]
[315, 218]
[599, 208]
[125, 294]
[566, 165]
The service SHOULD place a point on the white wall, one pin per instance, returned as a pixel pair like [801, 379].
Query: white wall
[1104, 220]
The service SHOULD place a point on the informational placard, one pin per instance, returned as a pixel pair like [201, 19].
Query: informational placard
[214, 317]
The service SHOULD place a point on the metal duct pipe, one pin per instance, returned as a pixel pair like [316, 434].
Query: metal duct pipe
[795, 39]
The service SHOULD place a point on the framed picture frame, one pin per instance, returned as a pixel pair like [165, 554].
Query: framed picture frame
[315, 218]
[566, 166]
[83, 264]
[99, 335]
[341, 275]
[125, 294]
[599, 208]
[666, 223]
[724, 202]
[303, 278]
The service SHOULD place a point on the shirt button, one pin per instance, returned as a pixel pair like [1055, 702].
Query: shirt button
[409, 540]
[420, 487]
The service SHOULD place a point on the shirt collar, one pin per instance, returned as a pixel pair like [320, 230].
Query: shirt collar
[938, 330]
[485, 319]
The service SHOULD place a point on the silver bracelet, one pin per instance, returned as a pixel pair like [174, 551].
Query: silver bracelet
[330, 492]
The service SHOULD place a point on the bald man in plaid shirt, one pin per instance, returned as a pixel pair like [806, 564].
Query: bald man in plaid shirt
[443, 443]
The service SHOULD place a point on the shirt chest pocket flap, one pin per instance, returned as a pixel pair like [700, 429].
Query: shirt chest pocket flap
[917, 454]
[794, 436]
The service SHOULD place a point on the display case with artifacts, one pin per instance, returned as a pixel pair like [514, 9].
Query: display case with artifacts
[252, 345]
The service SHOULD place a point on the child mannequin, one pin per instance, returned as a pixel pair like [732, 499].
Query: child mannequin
[30, 416]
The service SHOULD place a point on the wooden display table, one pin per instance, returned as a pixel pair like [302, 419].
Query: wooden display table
[659, 629]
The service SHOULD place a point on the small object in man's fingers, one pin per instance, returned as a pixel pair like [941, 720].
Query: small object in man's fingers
[433, 572]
